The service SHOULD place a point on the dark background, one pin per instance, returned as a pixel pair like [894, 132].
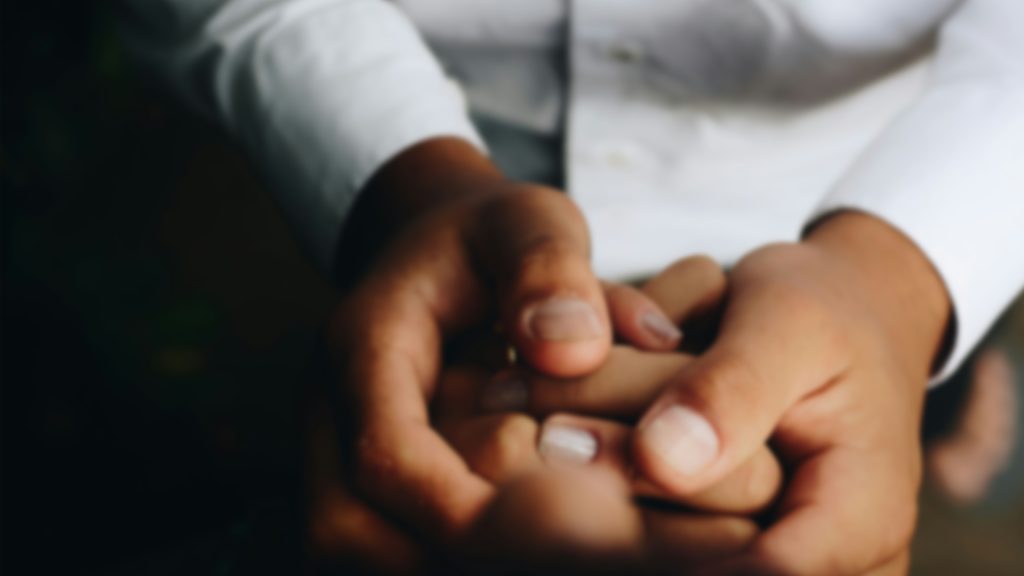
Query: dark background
[158, 318]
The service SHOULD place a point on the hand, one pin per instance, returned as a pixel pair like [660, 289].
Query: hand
[453, 246]
[825, 349]
[540, 518]
[626, 385]
[542, 515]
[577, 440]
[348, 530]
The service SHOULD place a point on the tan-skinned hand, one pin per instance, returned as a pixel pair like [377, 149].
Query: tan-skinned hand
[503, 450]
[449, 246]
[824, 350]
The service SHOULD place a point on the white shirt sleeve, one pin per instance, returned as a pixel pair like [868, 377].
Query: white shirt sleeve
[949, 173]
[320, 93]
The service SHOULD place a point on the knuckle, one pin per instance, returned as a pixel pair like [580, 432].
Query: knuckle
[545, 258]
[722, 377]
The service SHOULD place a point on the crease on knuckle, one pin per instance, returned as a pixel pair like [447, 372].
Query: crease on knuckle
[734, 374]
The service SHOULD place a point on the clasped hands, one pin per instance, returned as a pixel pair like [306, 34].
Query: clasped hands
[818, 368]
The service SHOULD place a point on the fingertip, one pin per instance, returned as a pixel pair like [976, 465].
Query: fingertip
[688, 288]
[661, 334]
[563, 336]
[675, 447]
[639, 321]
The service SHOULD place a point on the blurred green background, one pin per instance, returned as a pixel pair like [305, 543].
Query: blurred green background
[158, 316]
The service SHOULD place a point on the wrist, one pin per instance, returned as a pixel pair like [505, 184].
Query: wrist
[895, 281]
[430, 175]
[423, 179]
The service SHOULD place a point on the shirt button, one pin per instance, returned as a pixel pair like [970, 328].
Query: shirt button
[622, 155]
[626, 52]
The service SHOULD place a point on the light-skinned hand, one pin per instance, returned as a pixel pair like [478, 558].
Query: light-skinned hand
[825, 350]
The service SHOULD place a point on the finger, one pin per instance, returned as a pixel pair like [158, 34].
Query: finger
[575, 441]
[345, 532]
[674, 538]
[400, 463]
[850, 504]
[559, 520]
[774, 347]
[848, 512]
[582, 521]
[535, 244]
[638, 320]
[749, 490]
[688, 288]
[692, 293]
[498, 447]
[624, 387]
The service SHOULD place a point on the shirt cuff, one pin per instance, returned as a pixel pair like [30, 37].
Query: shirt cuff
[948, 175]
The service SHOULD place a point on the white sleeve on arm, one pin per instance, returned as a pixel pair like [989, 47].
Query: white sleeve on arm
[949, 173]
[320, 93]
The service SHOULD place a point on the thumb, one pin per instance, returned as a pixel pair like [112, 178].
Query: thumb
[534, 243]
[722, 408]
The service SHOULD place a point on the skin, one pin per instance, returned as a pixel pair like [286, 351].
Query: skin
[445, 247]
[825, 348]
[445, 244]
[554, 504]
[833, 341]
[587, 513]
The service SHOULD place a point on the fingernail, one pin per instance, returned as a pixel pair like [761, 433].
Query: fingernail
[683, 439]
[567, 445]
[660, 327]
[564, 319]
[504, 393]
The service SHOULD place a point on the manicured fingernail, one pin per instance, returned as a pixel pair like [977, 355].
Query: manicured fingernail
[564, 319]
[683, 439]
[567, 445]
[660, 327]
[505, 393]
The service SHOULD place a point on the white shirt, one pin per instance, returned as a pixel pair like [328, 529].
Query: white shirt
[710, 126]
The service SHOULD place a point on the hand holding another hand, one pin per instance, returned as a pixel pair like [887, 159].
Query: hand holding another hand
[824, 350]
